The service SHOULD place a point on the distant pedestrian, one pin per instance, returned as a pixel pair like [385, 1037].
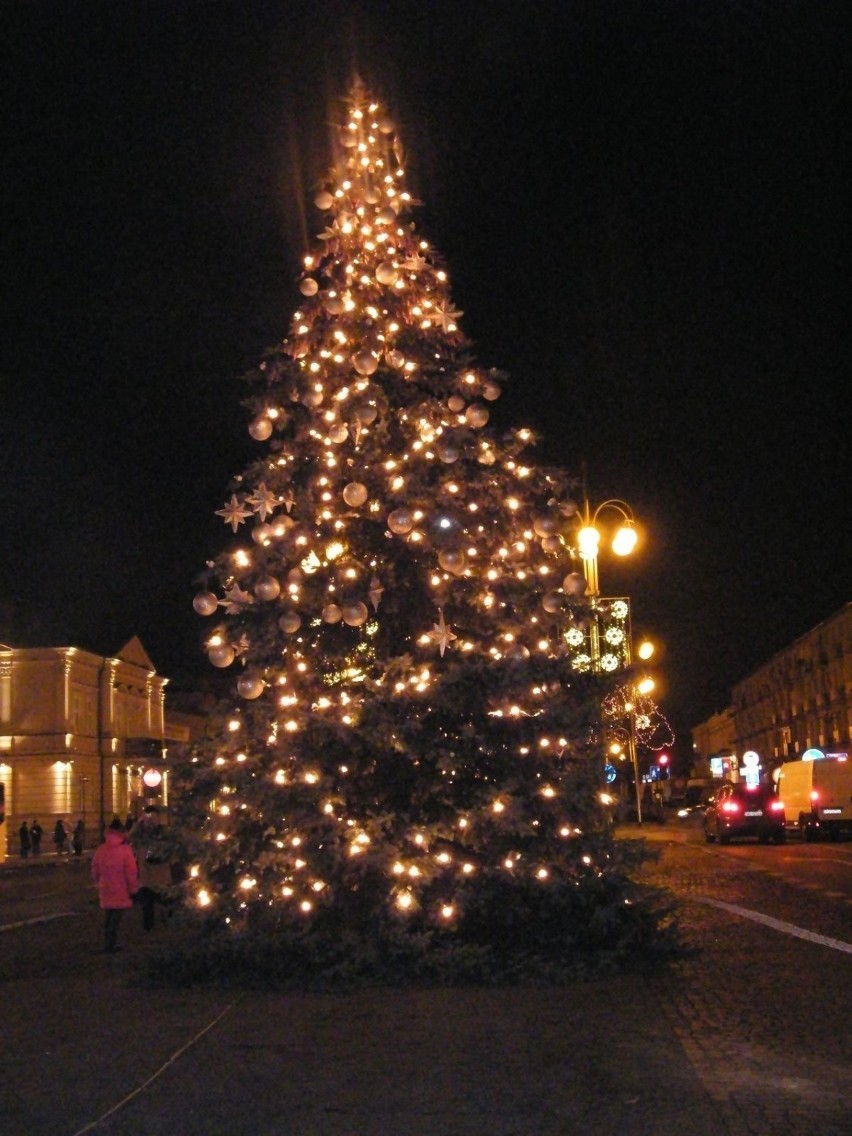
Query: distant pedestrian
[150, 842]
[35, 837]
[114, 871]
[60, 836]
[78, 838]
[25, 839]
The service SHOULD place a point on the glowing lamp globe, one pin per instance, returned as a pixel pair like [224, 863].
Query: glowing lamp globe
[355, 494]
[624, 540]
[588, 542]
[221, 656]
[267, 588]
[260, 429]
[152, 778]
[250, 685]
[205, 603]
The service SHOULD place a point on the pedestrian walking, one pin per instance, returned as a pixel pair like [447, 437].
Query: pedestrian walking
[78, 838]
[25, 839]
[150, 842]
[60, 836]
[35, 837]
[114, 871]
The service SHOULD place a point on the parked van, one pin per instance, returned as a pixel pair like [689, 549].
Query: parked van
[817, 796]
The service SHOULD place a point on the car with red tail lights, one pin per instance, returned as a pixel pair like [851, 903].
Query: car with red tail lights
[739, 811]
[818, 796]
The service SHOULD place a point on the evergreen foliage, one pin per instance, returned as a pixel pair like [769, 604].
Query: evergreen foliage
[406, 777]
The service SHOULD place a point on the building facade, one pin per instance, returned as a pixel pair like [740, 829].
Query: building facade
[78, 733]
[801, 699]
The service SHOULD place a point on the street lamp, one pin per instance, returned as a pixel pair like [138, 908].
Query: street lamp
[623, 543]
[589, 539]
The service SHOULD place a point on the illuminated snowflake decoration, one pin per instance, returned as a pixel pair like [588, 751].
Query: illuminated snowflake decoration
[575, 637]
[581, 662]
[614, 635]
[619, 609]
[609, 662]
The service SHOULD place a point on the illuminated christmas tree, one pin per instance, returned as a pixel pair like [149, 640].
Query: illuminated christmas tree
[409, 764]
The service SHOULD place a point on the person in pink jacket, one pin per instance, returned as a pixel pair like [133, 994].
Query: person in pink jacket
[114, 871]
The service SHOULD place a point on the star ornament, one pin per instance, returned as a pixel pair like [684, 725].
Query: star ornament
[235, 513]
[263, 501]
[236, 600]
[441, 634]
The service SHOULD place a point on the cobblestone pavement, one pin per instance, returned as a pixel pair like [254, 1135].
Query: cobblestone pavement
[748, 1037]
[763, 1018]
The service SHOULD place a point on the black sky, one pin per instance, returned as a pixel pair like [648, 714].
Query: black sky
[643, 210]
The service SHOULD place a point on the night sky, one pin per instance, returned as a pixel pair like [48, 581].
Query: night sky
[644, 218]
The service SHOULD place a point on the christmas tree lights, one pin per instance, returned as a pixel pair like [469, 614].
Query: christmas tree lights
[408, 745]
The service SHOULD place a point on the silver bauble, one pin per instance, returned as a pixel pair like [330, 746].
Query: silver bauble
[354, 614]
[355, 494]
[250, 685]
[574, 584]
[205, 603]
[476, 415]
[290, 622]
[387, 273]
[221, 656]
[401, 521]
[365, 362]
[260, 429]
[267, 588]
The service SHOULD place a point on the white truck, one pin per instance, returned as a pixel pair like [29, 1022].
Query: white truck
[817, 796]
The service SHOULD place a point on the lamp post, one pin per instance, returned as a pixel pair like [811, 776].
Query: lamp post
[623, 543]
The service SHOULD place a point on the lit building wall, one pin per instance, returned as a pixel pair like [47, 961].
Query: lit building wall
[800, 699]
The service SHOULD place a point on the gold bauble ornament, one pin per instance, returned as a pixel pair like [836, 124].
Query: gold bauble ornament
[331, 613]
[323, 200]
[308, 286]
[387, 273]
[476, 415]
